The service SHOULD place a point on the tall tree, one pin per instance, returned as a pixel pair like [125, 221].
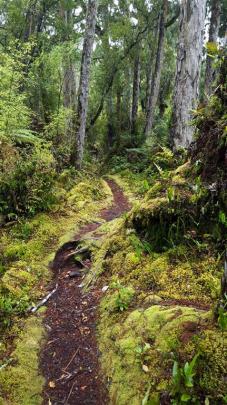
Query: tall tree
[192, 21]
[213, 37]
[136, 92]
[155, 82]
[81, 115]
[69, 73]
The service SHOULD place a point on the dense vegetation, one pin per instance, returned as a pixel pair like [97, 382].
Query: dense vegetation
[136, 91]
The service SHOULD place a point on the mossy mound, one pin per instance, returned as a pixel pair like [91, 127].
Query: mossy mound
[139, 348]
[168, 254]
[21, 382]
[181, 273]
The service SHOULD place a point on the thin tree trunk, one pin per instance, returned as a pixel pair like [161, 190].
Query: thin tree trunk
[126, 116]
[192, 21]
[69, 73]
[81, 116]
[118, 110]
[110, 121]
[69, 85]
[136, 93]
[155, 82]
[213, 36]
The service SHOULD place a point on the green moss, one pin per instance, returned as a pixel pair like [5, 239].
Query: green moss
[22, 383]
[120, 339]
[180, 272]
[177, 274]
[18, 281]
[119, 299]
[213, 362]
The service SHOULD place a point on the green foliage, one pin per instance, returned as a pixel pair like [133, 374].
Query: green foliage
[171, 194]
[14, 113]
[28, 185]
[140, 246]
[120, 299]
[222, 315]
[183, 382]
[222, 218]
[11, 306]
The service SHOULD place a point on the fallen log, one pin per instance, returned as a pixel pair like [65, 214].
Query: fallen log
[43, 301]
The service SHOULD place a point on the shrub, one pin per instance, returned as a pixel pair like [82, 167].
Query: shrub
[27, 186]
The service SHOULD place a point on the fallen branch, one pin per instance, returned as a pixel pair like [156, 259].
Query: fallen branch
[70, 392]
[76, 252]
[44, 300]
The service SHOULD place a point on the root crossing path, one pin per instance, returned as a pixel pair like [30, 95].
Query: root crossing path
[70, 357]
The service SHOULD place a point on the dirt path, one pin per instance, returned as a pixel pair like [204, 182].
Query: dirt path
[70, 358]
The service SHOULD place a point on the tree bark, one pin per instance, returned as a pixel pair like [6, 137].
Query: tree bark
[192, 21]
[155, 82]
[149, 77]
[81, 116]
[136, 93]
[213, 36]
[69, 74]
[110, 121]
[69, 85]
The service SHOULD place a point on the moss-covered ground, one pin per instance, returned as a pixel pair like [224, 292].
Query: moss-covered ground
[160, 338]
[163, 264]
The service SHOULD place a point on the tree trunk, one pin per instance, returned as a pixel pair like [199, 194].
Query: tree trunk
[81, 116]
[126, 113]
[192, 21]
[69, 85]
[110, 121]
[213, 36]
[155, 82]
[69, 74]
[136, 93]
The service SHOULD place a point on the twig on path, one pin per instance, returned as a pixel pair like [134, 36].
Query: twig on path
[44, 300]
[73, 357]
[70, 392]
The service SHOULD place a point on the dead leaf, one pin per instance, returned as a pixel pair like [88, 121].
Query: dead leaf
[145, 368]
[52, 384]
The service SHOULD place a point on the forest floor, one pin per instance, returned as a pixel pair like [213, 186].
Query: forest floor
[70, 357]
[128, 304]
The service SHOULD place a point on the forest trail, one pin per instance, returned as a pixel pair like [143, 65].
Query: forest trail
[70, 357]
